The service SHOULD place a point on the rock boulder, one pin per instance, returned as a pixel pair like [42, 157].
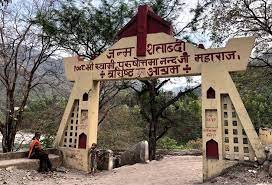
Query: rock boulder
[136, 154]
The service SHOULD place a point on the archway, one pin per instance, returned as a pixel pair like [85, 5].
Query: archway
[211, 93]
[85, 97]
[145, 52]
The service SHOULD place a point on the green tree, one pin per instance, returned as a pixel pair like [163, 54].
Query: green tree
[166, 115]
[255, 89]
[85, 30]
[156, 106]
[186, 114]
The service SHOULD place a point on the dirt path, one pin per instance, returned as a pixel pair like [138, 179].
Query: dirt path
[172, 170]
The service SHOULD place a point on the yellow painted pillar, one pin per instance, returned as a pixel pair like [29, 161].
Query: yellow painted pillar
[93, 109]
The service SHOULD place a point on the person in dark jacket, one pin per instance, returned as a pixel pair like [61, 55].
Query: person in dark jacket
[36, 152]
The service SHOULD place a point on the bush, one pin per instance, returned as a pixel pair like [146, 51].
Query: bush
[195, 144]
[168, 143]
[47, 141]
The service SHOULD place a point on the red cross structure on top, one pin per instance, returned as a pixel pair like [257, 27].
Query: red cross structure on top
[144, 22]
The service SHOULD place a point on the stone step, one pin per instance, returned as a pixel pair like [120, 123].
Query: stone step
[29, 164]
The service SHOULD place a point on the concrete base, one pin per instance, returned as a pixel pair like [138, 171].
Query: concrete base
[30, 164]
[19, 159]
[75, 158]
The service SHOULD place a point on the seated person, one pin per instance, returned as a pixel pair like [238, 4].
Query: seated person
[36, 152]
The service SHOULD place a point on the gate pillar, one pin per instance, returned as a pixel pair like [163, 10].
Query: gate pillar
[78, 128]
[226, 127]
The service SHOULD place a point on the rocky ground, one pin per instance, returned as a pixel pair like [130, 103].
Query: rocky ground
[171, 170]
[243, 174]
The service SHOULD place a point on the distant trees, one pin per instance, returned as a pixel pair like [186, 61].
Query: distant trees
[186, 118]
[255, 89]
[44, 114]
[122, 128]
[126, 124]
[23, 50]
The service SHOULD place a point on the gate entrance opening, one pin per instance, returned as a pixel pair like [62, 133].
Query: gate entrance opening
[146, 49]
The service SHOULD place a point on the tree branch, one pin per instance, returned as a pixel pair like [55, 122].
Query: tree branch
[162, 84]
[166, 128]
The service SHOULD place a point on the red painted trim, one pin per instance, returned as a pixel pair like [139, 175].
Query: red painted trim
[141, 30]
[160, 20]
[146, 21]
[82, 142]
[121, 33]
[212, 149]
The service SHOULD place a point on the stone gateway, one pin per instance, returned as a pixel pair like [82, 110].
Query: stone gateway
[146, 49]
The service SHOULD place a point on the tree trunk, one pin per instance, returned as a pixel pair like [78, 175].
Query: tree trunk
[152, 149]
[154, 120]
[152, 143]
[8, 138]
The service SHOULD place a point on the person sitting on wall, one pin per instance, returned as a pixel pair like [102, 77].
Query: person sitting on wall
[36, 152]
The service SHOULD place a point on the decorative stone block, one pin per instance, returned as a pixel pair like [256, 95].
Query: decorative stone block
[105, 160]
[136, 154]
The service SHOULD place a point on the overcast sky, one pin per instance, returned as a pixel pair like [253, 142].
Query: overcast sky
[185, 17]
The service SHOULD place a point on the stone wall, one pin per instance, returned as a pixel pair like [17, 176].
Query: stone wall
[194, 152]
[18, 155]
